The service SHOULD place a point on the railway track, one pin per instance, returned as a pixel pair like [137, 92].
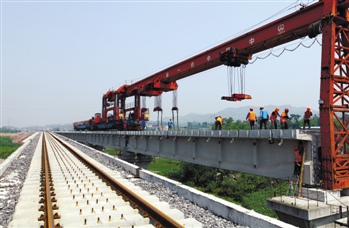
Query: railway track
[66, 188]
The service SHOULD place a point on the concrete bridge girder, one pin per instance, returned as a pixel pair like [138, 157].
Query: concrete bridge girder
[249, 151]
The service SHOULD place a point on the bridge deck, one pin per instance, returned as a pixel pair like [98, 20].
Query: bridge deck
[248, 151]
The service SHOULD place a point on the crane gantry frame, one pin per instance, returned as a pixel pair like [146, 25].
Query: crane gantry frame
[328, 17]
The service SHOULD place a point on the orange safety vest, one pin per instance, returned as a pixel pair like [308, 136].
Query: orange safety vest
[284, 117]
[297, 155]
[273, 116]
[307, 115]
[252, 116]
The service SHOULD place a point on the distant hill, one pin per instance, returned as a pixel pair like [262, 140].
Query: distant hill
[237, 113]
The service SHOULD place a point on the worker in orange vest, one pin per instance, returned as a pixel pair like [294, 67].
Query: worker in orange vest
[273, 118]
[251, 117]
[283, 119]
[306, 118]
[297, 161]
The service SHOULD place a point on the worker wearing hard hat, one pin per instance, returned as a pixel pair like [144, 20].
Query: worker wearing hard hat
[263, 118]
[170, 124]
[283, 119]
[251, 117]
[218, 123]
[273, 117]
[306, 118]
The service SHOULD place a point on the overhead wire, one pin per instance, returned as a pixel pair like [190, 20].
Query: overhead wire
[286, 49]
[287, 8]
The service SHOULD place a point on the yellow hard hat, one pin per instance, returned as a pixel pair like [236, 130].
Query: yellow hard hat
[261, 107]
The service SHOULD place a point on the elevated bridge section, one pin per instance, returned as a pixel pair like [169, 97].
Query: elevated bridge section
[269, 153]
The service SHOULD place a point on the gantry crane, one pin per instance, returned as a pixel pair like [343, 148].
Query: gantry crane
[328, 17]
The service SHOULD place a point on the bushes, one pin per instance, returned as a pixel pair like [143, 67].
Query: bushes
[7, 146]
[248, 190]
[257, 201]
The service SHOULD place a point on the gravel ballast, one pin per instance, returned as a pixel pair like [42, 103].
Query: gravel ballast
[12, 180]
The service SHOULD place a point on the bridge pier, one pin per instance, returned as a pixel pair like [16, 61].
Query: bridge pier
[314, 208]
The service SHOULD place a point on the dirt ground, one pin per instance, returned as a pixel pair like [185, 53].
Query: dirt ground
[18, 137]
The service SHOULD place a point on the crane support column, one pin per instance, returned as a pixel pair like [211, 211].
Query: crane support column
[334, 101]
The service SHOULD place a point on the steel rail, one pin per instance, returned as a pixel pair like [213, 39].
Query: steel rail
[48, 211]
[147, 209]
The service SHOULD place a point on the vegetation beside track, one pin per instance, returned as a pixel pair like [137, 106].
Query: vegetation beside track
[249, 191]
[111, 151]
[7, 147]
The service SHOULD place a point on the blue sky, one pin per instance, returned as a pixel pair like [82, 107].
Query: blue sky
[59, 57]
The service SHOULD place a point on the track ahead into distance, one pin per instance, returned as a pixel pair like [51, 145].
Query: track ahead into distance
[78, 191]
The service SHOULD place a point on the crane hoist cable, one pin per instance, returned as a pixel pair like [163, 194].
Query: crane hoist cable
[174, 109]
[158, 109]
[144, 112]
[236, 64]
[236, 79]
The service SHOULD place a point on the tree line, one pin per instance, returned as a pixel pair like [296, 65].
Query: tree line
[8, 130]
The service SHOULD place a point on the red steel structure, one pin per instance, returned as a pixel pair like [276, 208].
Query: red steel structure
[328, 17]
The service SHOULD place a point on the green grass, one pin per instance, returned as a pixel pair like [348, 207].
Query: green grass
[162, 166]
[255, 201]
[111, 151]
[7, 147]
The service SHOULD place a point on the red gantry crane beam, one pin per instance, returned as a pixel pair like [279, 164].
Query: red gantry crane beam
[286, 29]
[329, 17]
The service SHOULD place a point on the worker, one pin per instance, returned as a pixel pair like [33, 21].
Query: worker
[273, 118]
[263, 118]
[124, 125]
[283, 119]
[251, 117]
[218, 123]
[306, 118]
[143, 124]
[297, 161]
[170, 124]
